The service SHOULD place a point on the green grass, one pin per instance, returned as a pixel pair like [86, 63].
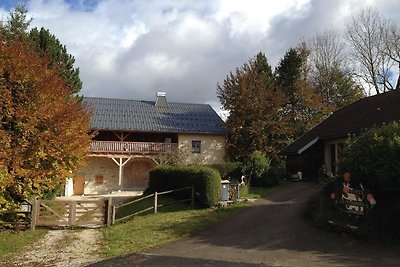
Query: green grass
[149, 203]
[256, 192]
[11, 242]
[144, 232]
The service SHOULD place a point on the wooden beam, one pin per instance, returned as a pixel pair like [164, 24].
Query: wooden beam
[122, 136]
[120, 174]
[120, 164]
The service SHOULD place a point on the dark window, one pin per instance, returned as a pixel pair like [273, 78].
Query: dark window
[196, 147]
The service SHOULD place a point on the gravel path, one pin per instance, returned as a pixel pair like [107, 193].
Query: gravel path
[62, 248]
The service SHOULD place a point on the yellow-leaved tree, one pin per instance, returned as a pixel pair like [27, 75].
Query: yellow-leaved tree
[44, 127]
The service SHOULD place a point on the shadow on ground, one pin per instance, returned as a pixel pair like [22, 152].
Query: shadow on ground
[271, 232]
[156, 260]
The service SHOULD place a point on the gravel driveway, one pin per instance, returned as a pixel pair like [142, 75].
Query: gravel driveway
[272, 232]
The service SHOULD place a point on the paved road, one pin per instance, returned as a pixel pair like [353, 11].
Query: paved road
[272, 232]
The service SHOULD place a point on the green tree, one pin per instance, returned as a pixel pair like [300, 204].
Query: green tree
[253, 103]
[255, 165]
[17, 23]
[372, 157]
[44, 129]
[303, 107]
[46, 44]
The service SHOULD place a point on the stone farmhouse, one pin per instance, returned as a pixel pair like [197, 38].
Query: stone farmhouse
[131, 134]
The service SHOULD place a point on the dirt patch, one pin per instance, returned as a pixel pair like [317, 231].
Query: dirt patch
[62, 248]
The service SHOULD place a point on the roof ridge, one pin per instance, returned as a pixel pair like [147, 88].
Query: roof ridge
[152, 101]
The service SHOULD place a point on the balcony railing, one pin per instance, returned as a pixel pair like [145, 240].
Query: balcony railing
[129, 147]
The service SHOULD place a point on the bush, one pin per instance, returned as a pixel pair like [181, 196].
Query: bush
[272, 175]
[255, 165]
[207, 182]
[229, 170]
[382, 222]
[372, 158]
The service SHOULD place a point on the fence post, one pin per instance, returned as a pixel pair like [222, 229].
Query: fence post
[155, 202]
[109, 211]
[72, 210]
[34, 212]
[192, 198]
[113, 215]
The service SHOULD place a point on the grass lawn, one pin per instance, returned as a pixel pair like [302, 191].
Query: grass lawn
[257, 192]
[11, 242]
[143, 232]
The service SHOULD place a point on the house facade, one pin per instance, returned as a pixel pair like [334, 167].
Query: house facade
[133, 137]
[323, 144]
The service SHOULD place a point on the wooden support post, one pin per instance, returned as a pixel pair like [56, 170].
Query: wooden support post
[72, 213]
[120, 174]
[155, 202]
[120, 164]
[192, 198]
[109, 211]
[34, 213]
[113, 215]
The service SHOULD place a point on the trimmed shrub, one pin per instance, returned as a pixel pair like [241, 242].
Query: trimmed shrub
[207, 182]
[255, 165]
[271, 176]
[229, 170]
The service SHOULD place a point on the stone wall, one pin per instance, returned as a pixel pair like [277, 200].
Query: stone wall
[101, 175]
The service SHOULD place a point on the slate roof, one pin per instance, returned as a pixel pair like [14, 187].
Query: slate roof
[144, 116]
[363, 114]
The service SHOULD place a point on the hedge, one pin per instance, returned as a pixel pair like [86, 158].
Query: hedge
[207, 182]
[229, 170]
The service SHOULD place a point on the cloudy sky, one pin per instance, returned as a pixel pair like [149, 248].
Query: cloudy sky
[132, 49]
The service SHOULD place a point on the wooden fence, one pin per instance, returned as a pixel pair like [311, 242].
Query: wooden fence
[130, 147]
[91, 212]
[153, 207]
[69, 212]
[15, 219]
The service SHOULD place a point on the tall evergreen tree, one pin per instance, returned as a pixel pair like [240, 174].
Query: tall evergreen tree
[45, 44]
[253, 103]
[48, 45]
[303, 107]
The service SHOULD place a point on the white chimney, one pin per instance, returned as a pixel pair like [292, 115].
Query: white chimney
[161, 100]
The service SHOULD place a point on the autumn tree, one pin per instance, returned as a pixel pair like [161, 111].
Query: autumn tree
[330, 75]
[46, 44]
[253, 103]
[375, 43]
[303, 107]
[43, 130]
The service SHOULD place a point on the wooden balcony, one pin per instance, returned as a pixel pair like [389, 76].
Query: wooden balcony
[117, 147]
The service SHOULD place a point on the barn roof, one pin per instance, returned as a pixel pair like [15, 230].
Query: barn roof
[153, 116]
[354, 118]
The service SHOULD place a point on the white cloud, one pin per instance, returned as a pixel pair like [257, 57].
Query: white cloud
[131, 49]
